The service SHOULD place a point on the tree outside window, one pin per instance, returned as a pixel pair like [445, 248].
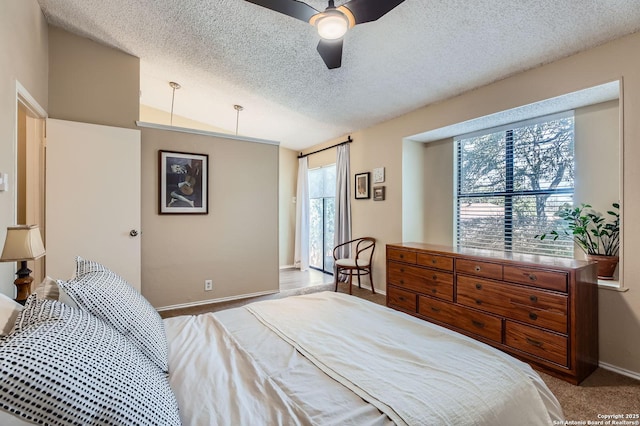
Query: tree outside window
[511, 182]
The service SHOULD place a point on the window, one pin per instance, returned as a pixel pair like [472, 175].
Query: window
[322, 193]
[510, 183]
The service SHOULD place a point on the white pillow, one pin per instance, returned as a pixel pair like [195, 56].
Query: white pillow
[47, 289]
[110, 298]
[64, 366]
[9, 310]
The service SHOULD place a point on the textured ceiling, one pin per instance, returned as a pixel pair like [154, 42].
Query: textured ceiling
[226, 52]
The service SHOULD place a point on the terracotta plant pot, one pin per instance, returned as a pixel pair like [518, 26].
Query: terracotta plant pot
[606, 265]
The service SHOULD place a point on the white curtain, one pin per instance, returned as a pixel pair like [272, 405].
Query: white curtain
[301, 253]
[342, 226]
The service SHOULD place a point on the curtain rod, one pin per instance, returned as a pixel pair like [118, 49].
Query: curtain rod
[349, 140]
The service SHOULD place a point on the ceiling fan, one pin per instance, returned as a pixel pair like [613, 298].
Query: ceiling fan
[334, 22]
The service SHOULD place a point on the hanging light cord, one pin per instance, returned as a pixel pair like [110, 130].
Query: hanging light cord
[238, 108]
[174, 86]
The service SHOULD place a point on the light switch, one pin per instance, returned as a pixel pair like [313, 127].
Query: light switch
[4, 182]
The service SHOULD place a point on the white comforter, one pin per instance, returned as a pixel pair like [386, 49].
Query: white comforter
[229, 368]
[217, 383]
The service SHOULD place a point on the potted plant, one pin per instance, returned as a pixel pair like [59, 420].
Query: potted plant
[597, 237]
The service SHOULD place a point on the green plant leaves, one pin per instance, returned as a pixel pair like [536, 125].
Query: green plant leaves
[589, 229]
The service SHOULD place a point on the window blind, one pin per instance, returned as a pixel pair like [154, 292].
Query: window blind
[510, 183]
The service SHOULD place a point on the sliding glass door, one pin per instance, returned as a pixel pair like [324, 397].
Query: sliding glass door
[322, 193]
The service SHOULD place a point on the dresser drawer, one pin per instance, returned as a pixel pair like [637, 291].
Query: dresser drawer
[536, 307]
[537, 342]
[401, 299]
[480, 269]
[553, 280]
[401, 255]
[478, 323]
[435, 261]
[427, 281]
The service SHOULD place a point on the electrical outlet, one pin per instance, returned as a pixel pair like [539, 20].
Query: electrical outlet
[208, 285]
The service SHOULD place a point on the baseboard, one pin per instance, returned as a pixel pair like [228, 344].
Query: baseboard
[219, 300]
[384, 293]
[287, 267]
[239, 297]
[619, 370]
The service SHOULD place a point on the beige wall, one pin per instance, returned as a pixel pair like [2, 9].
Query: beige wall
[413, 191]
[437, 210]
[23, 59]
[92, 83]
[382, 145]
[235, 245]
[288, 176]
[597, 134]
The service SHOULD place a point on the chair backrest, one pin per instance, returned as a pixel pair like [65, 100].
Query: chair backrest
[362, 245]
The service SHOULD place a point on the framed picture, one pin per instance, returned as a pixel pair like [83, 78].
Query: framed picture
[183, 183]
[378, 175]
[378, 193]
[362, 186]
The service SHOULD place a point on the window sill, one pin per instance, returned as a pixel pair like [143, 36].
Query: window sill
[612, 286]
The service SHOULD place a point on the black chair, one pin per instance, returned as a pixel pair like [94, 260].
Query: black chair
[360, 262]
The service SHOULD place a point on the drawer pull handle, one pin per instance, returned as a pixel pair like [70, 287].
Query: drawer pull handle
[477, 323]
[535, 343]
[533, 298]
[478, 302]
[477, 268]
[434, 309]
[533, 277]
[401, 281]
[479, 286]
[533, 316]
[434, 261]
[401, 269]
[402, 256]
[401, 298]
[434, 291]
[435, 277]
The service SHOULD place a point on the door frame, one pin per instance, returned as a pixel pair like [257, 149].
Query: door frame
[35, 112]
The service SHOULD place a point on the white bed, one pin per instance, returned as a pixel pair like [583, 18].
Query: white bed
[363, 364]
[96, 352]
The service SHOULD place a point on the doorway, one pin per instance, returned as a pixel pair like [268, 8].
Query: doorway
[322, 194]
[30, 171]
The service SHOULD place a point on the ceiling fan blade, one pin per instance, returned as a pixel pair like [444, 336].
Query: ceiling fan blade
[295, 9]
[331, 52]
[370, 10]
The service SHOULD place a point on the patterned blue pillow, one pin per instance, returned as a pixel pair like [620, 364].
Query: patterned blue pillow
[63, 366]
[110, 298]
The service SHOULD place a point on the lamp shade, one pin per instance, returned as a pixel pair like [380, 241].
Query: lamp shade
[23, 243]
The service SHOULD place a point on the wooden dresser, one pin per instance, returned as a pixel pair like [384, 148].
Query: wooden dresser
[543, 310]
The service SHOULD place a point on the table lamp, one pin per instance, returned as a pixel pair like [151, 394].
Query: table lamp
[23, 243]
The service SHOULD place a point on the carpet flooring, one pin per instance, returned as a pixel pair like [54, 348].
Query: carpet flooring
[602, 393]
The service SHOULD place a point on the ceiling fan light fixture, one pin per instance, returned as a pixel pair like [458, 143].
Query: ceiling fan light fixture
[332, 24]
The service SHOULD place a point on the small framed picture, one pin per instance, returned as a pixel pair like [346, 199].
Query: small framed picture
[378, 175]
[362, 186]
[378, 193]
[183, 183]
